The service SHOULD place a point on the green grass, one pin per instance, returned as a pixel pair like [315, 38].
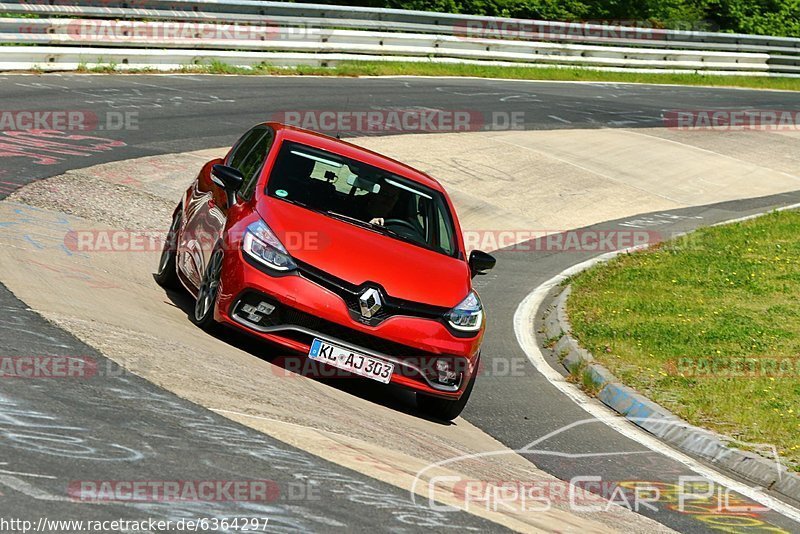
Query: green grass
[730, 291]
[363, 68]
[99, 68]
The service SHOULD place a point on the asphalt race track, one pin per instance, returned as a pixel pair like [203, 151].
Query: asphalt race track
[54, 433]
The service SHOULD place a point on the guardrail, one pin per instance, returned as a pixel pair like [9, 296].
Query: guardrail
[125, 32]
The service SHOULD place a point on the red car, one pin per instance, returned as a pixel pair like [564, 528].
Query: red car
[327, 249]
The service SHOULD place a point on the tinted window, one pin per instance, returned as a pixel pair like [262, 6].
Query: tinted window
[249, 155]
[243, 146]
[445, 236]
[362, 194]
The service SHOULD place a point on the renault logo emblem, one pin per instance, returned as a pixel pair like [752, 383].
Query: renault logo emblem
[370, 302]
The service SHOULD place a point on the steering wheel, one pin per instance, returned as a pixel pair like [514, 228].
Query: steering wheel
[401, 222]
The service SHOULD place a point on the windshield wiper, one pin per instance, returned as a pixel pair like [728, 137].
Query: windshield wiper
[301, 204]
[376, 228]
[402, 237]
[407, 239]
[353, 220]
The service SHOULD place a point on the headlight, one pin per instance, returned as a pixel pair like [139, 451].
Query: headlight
[467, 316]
[263, 246]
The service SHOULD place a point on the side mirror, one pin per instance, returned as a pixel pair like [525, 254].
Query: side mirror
[480, 262]
[228, 178]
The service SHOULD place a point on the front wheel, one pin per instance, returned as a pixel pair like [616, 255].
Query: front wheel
[203, 315]
[445, 409]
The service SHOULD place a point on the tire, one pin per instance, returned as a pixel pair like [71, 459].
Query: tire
[167, 274]
[203, 313]
[444, 409]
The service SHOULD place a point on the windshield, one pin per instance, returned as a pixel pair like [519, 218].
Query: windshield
[361, 194]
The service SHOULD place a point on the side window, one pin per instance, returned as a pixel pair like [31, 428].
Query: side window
[249, 156]
[446, 242]
[423, 215]
[243, 147]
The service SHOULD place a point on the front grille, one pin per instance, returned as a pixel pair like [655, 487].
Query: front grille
[284, 315]
[367, 341]
[350, 293]
[261, 312]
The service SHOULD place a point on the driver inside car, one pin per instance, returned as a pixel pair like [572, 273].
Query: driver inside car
[378, 206]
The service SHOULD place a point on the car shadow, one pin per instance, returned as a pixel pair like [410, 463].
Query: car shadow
[286, 363]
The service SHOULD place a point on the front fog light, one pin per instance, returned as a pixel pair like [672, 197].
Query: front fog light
[446, 373]
[264, 308]
[467, 316]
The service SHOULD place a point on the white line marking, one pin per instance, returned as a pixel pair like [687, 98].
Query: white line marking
[33, 475]
[524, 331]
[25, 488]
[565, 121]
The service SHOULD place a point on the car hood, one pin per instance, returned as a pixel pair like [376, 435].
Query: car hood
[358, 255]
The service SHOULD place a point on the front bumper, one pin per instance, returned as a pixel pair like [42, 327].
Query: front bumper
[304, 310]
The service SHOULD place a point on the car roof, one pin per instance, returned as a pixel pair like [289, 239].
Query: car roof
[349, 150]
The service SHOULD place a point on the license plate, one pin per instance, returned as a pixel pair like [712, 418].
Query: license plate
[353, 362]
